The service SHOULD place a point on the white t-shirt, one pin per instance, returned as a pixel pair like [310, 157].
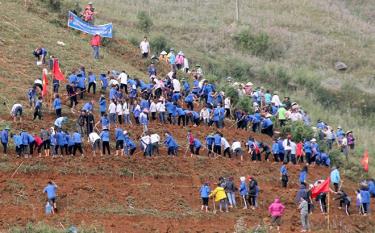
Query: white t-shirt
[113, 82]
[125, 108]
[145, 140]
[205, 114]
[276, 100]
[186, 63]
[295, 116]
[14, 108]
[160, 107]
[285, 144]
[176, 85]
[224, 143]
[38, 81]
[112, 108]
[236, 145]
[119, 109]
[227, 103]
[155, 138]
[123, 77]
[144, 46]
[93, 137]
[152, 107]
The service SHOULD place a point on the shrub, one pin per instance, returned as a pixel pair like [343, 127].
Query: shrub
[159, 44]
[245, 104]
[233, 94]
[259, 44]
[298, 130]
[144, 22]
[235, 68]
[134, 41]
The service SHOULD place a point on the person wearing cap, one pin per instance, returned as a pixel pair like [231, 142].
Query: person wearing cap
[4, 136]
[95, 44]
[163, 57]
[180, 60]
[145, 47]
[205, 193]
[172, 59]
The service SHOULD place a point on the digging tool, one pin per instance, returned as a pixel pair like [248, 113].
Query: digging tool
[213, 202]
[17, 169]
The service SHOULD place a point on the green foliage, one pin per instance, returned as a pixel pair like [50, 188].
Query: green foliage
[144, 22]
[234, 68]
[298, 130]
[125, 172]
[62, 7]
[54, 5]
[258, 44]
[245, 104]
[159, 43]
[134, 41]
[232, 93]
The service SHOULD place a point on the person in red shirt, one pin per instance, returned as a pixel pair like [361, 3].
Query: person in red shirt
[95, 44]
[299, 152]
[38, 144]
[190, 139]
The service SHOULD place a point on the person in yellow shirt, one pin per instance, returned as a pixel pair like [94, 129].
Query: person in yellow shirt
[221, 197]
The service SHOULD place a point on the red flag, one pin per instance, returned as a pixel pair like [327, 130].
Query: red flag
[364, 161]
[44, 82]
[56, 70]
[322, 188]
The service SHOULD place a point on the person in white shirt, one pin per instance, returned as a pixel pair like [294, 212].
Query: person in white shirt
[186, 65]
[123, 79]
[145, 47]
[155, 139]
[176, 85]
[205, 115]
[16, 112]
[119, 112]
[153, 110]
[126, 111]
[293, 152]
[94, 139]
[276, 99]
[236, 148]
[146, 145]
[160, 108]
[287, 149]
[112, 112]
[227, 105]
[226, 147]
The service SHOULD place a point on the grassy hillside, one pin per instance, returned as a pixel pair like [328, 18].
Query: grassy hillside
[305, 39]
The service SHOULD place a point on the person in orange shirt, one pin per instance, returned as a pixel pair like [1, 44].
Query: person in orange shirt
[95, 44]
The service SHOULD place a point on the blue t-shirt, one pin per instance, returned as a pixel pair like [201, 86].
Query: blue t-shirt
[50, 189]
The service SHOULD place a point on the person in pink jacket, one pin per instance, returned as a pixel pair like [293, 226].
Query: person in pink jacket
[276, 210]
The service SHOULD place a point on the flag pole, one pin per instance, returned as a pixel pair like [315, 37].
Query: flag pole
[329, 205]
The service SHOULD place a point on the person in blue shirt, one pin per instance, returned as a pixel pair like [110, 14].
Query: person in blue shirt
[102, 105]
[31, 94]
[92, 82]
[171, 144]
[303, 176]
[217, 143]
[171, 109]
[129, 144]
[308, 151]
[243, 191]
[40, 53]
[51, 190]
[335, 178]
[57, 105]
[77, 139]
[88, 107]
[189, 100]
[60, 142]
[216, 117]
[71, 144]
[181, 116]
[205, 193]
[186, 87]
[256, 121]
[275, 150]
[365, 200]
[284, 175]
[31, 145]
[104, 82]
[24, 143]
[209, 144]
[4, 136]
[197, 146]
[73, 80]
[104, 136]
[81, 85]
[281, 149]
[119, 136]
[267, 126]
[17, 140]
[38, 109]
[151, 70]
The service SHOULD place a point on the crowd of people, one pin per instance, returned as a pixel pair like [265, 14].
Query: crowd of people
[128, 102]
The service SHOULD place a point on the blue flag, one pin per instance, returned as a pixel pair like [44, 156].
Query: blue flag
[78, 24]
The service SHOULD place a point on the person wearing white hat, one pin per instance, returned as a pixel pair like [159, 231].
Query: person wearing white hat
[180, 60]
